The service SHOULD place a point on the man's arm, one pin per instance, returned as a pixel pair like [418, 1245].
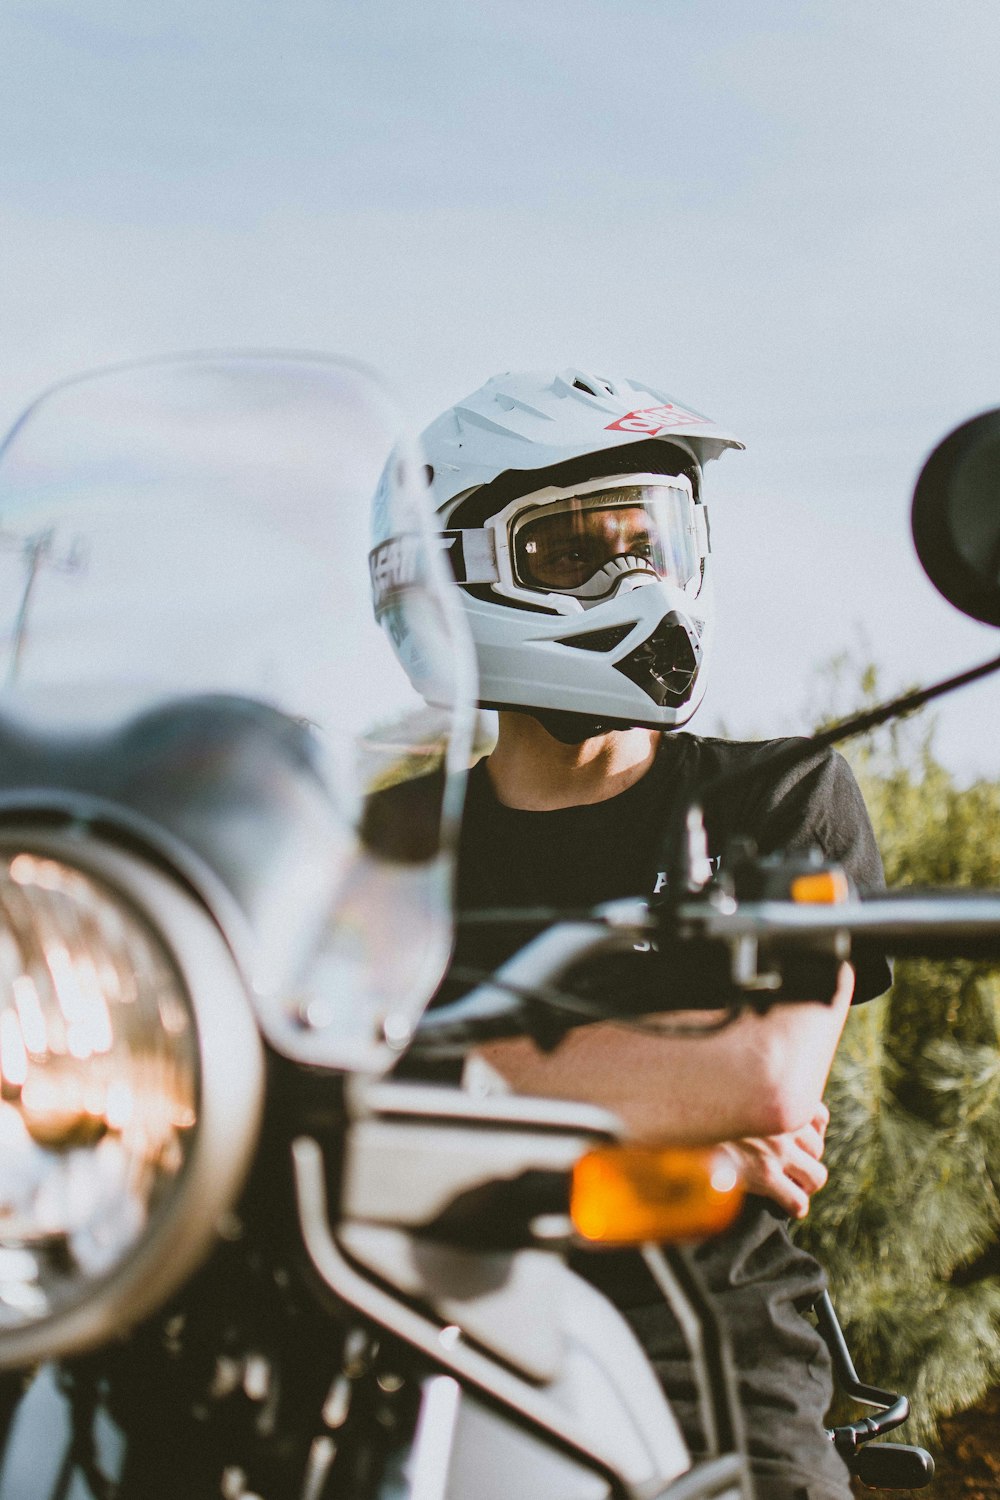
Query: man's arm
[762, 1076]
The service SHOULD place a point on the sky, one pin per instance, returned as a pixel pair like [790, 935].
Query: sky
[784, 214]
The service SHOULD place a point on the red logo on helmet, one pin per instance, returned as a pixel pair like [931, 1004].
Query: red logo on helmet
[652, 420]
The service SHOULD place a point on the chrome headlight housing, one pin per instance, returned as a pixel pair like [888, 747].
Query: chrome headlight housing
[131, 1085]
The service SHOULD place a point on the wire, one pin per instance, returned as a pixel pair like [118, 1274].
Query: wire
[543, 994]
[666, 1027]
[528, 916]
[582, 1010]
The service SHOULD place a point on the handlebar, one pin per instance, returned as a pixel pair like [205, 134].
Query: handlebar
[741, 945]
[901, 924]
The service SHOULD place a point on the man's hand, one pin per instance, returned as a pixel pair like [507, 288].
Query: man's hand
[788, 1168]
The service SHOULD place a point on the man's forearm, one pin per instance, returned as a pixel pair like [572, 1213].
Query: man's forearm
[762, 1076]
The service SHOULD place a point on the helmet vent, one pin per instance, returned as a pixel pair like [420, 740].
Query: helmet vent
[589, 387]
[599, 640]
[666, 665]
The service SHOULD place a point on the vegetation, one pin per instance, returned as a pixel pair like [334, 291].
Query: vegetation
[909, 1225]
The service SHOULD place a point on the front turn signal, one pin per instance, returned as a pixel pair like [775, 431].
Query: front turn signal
[821, 888]
[632, 1195]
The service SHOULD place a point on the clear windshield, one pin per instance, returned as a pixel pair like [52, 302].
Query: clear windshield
[201, 526]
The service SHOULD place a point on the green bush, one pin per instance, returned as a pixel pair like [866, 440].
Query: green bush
[909, 1224]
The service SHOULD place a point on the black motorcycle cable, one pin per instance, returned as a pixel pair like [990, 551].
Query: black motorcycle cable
[588, 1011]
[526, 916]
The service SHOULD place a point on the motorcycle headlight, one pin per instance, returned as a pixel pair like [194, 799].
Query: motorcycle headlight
[130, 1090]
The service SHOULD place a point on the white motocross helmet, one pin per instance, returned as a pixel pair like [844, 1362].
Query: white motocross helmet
[572, 512]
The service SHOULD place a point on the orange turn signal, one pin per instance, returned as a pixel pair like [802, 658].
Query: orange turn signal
[824, 888]
[631, 1195]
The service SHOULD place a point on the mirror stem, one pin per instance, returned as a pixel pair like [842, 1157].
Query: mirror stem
[846, 729]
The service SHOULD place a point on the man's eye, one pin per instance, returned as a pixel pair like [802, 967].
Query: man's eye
[635, 540]
[549, 552]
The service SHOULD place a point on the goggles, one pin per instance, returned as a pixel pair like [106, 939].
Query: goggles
[584, 545]
[571, 547]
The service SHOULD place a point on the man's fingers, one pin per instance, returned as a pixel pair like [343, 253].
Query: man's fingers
[810, 1140]
[787, 1168]
[788, 1194]
[805, 1170]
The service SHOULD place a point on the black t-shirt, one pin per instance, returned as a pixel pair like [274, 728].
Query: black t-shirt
[579, 856]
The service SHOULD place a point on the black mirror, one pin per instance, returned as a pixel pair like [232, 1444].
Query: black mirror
[956, 517]
[892, 1466]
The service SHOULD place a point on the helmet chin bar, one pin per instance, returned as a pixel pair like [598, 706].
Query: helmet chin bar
[665, 666]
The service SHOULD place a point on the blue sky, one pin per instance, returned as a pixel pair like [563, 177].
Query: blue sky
[785, 214]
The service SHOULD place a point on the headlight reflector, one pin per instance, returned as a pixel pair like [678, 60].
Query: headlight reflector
[99, 1083]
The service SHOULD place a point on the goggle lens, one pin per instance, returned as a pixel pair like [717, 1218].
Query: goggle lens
[564, 547]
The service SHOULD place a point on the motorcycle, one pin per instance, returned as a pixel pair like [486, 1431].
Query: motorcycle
[237, 1257]
[227, 1265]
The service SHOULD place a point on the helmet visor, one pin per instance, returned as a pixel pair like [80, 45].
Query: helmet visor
[576, 546]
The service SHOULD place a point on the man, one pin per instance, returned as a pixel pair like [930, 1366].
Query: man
[573, 514]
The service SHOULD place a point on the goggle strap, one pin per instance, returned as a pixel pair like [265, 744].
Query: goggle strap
[471, 555]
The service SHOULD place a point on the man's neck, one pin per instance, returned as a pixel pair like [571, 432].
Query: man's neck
[532, 770]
